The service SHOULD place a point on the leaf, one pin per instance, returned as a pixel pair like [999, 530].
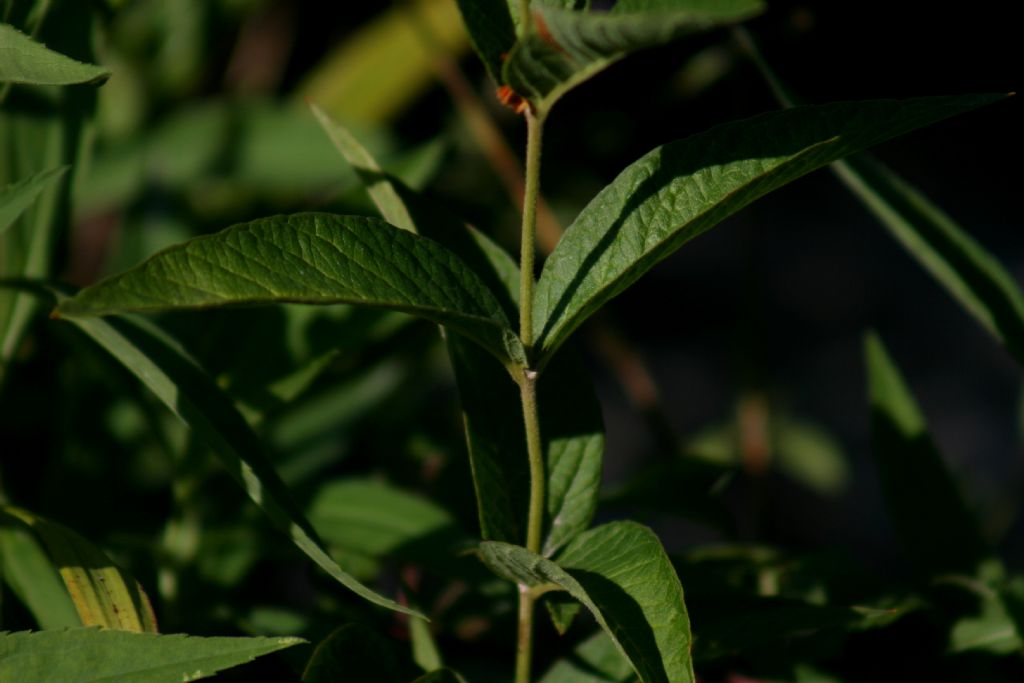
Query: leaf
[23, 60]
[595, 660]
[195, 398]
[424, 648]
[441, 676]
[33, 578]
[491, 31]
[352, 653]
[924, 504]
[18, 196]
[966, 269]
[685, 188]
[103, 594]
[570, 415]
[569, 46]
[620, 572]
[384, 66]
[310, 258]
[93, 655]
[375, 519]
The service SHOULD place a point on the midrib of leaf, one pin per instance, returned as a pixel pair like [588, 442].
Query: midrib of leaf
[696, 183]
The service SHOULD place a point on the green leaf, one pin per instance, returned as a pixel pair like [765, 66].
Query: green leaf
[572, 430]
[32, 577]
[375, 519]
[102, 593]
[685, 188]
[595, 660]
[92, 655]
[176, 379]
[971, 274]
[17, 197]
[310, 258]
[925, 505]
[23, 60]
[441, 676]
[424, 648]
[569, 46]
[352, 653]
[620, 572]
[967, 270]
[491, 30]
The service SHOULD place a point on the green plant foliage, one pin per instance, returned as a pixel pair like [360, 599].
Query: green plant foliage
[188, 392]
[121, 657]
[620, 572]
[351, 653]
[102, 593]
[595, 660]
[568, 46]
[967, 270]
[685, 188]
[314, 259]
[925, 506]
[17, 197]
[441, 676]
[30, 574]
[23, 60]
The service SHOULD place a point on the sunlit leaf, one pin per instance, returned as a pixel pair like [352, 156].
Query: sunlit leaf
[620, 572]
[103, 594]
[28, 571]
[92, 655]
[23, 60]
[685, 188]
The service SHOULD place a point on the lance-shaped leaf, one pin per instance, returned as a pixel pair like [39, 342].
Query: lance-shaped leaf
[969, 272]
[311, 258]
[684, 188]
[89, 655]
[17, 197]
[175, 378]
[568, 46]
[925, 505]
[966, 269]
[23, 60]
[620, 572]
[27, 569]
[103, 594]
[572, 429]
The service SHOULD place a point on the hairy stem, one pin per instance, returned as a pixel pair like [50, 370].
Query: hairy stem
[534, 133]
[527, 597]
[528, 390]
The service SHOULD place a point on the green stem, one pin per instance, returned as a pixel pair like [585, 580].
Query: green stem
[534, 133]
[534, 528]
[528, 391]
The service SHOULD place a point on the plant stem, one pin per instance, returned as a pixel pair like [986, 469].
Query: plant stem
[534, 133]
[534, 449]
[528, 391]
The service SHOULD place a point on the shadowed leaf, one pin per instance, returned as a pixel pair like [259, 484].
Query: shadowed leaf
[685, 188]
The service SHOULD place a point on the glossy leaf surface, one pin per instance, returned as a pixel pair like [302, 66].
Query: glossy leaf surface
[682, 189]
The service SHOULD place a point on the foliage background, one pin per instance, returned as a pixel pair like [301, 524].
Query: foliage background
[772, 305]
